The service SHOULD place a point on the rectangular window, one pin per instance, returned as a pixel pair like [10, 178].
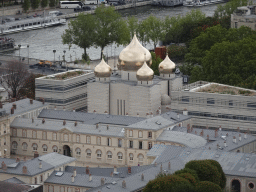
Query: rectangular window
[88, 139]
[140, 134]
[236, 25]
[149, 134]
[131, 144]
[66, 137]
[14, 132]
[119, 142]
[77, 138]
[210, 101]
[149, 145]
[54, 136]
[108, 142]
[34, 134]
[230, 103]
[44, 135]
[24, 133]
[185, 99]
[98, 141]
[41, 178]
[35, 180]
[130, 133]
[140, 144]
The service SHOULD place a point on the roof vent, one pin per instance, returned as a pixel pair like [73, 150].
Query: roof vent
[217, 155]
[158, 123]
[114, 182]
[59, 174]
[247, 158]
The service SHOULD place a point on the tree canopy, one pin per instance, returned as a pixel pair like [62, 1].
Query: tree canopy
[26, 5]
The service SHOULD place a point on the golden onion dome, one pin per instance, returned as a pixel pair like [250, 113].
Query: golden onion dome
[166, 66]
[131, 58]
[102, 69]
[145, 73]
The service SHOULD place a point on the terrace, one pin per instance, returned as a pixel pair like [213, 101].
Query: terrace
[66, 75]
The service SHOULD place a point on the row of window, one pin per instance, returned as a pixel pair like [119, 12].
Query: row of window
[64, 101]
[52, 188]
[34, 147]
[140, 144]
[140, 134]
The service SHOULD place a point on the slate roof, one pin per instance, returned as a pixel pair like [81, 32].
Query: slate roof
[11, 187]
[56, 125]
[23, 106]
[48, 161]
[187, 139]
[89, 118]
[14, 180]
[173, 116]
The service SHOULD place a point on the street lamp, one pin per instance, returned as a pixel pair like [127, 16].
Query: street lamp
[28, 53]
[64, 58]
[19, 50]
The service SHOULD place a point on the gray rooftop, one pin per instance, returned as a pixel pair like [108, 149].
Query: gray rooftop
[89, 118]
[57, 125]
[173, 116]
[23, 106]
[14, 180]
[33, 164]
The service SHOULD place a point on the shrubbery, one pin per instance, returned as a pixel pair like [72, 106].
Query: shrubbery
[207, 186]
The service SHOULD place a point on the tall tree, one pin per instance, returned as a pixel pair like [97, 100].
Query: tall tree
[81, 33]
[44, 3]
[52, 3]
[35, 4]
[26, 5]
[110, 28]
[14, 78]
[132, 23]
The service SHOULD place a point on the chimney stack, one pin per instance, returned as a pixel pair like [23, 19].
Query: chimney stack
[178, 115]
[188, 128]
[124, 184]
[14, 105]
[4, 167]
[225, 144]
[43, 121]
[64, 122]
[147, 115]
[40, 165]
[94, 111]
[218, 146]
[12, 110]
[74, 173]
[115, 169]
[25, 159]
[72, 178]
[185, 112]
[216, 133]
[240, 138]
[126, 114]
[87, 171]
[64, 109]
[13, 99]
[161, 168]
[105, 112]
[234, 139]
[220, 128]
[74, 110]
[43, 101]
[75, 123]
[55, 107]
[102, 181]
[238, 129]
[169, 165]
[31, 101]
[208, 139]
[155, 164]
[129, 170]
[195, 132]
[138, 114]
[245, 135]
[17, 160]
[142, 177]
[90, 177]
[24, 170]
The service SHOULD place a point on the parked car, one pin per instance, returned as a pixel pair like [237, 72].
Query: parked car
[86, 8]
[78, 9]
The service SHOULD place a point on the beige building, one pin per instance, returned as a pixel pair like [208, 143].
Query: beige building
[244, 16]
[66, 90]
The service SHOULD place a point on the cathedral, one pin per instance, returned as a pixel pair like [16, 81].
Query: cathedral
[133, 89]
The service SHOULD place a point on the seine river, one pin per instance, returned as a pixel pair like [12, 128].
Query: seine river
[42, 42]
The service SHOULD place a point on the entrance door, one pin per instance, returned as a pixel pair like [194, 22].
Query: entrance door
[236, 186]
[66, 150]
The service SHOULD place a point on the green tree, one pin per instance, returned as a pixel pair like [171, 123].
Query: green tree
[26, 5]
[44, 3]
[35, 4]
[110, 28]
[155, 63]
[52, 3]
[142, 33]
[132, 23]
[187, 170]
[81, 33]
[207, 186]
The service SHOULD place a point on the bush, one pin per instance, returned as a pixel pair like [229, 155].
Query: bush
[205, 171]
[188, 177]
[155, 63]
[207, 186]
[176, 52]
[187, 170]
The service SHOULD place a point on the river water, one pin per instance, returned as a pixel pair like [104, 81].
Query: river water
[42, 42]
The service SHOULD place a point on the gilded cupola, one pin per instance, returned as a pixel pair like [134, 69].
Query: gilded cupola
[131, 58]
[145, 73]
[166, 66]
[102, 70]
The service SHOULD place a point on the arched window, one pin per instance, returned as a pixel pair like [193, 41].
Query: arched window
[55, 148]
[34, 134]
[88, 139]
[34, 146]
[78, 151]
[88, 152]
[78, 138]
[99, 153]
[109, 153]
[140, 157]
[44, 135]
[14, 145]
[65, 137]
[140, 134]
[131, 156]
[24, 146]
[54, 136]
[45, 148]
[109, 142]
[98, 141]
[120, 156]
[24, 133]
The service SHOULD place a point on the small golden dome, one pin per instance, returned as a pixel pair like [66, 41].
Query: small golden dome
[145, 73]
[102, 69]
[131, 58]
[166, 66]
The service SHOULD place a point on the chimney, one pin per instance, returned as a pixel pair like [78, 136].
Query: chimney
[142, 177]
[208, 140]
[74, 110]
[216, 133]
[245, 135]
[12, 110]
[111, 174]
[43, 101]
[207, 127]
[209, 148]
[4, 167]
[240, 138]
[40, 165]
[14, 106]
[90, 177]
[138, 114]
[218, 146]
[248, 131]
[155, 164]
[202, 133]
[102, 181]
[220, 128]
[97, 126]
[17, 160]
[105, 112]
[234, 139]
[94, 111]
[169, 165]
[75, 123]
[1, 105]
[124, 184]
[188, 128]
[185, 112]
[25, 159]
[161, 168]
[74, 173]
[147, 115]
[36, 154]
[115, 169]
[31, 101]
[55, 107]
[72, 178]
[13, 99]
[157, 112]
[64, 122]
[64, 109]
[195, 132]
[24, 170]
[227, 135]
[126, 114]
[225, 144]
[151, 114]
[32, 120]
[87, 171]
[178, 116]
[43, 121]
[238, 129]
[129, 170]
